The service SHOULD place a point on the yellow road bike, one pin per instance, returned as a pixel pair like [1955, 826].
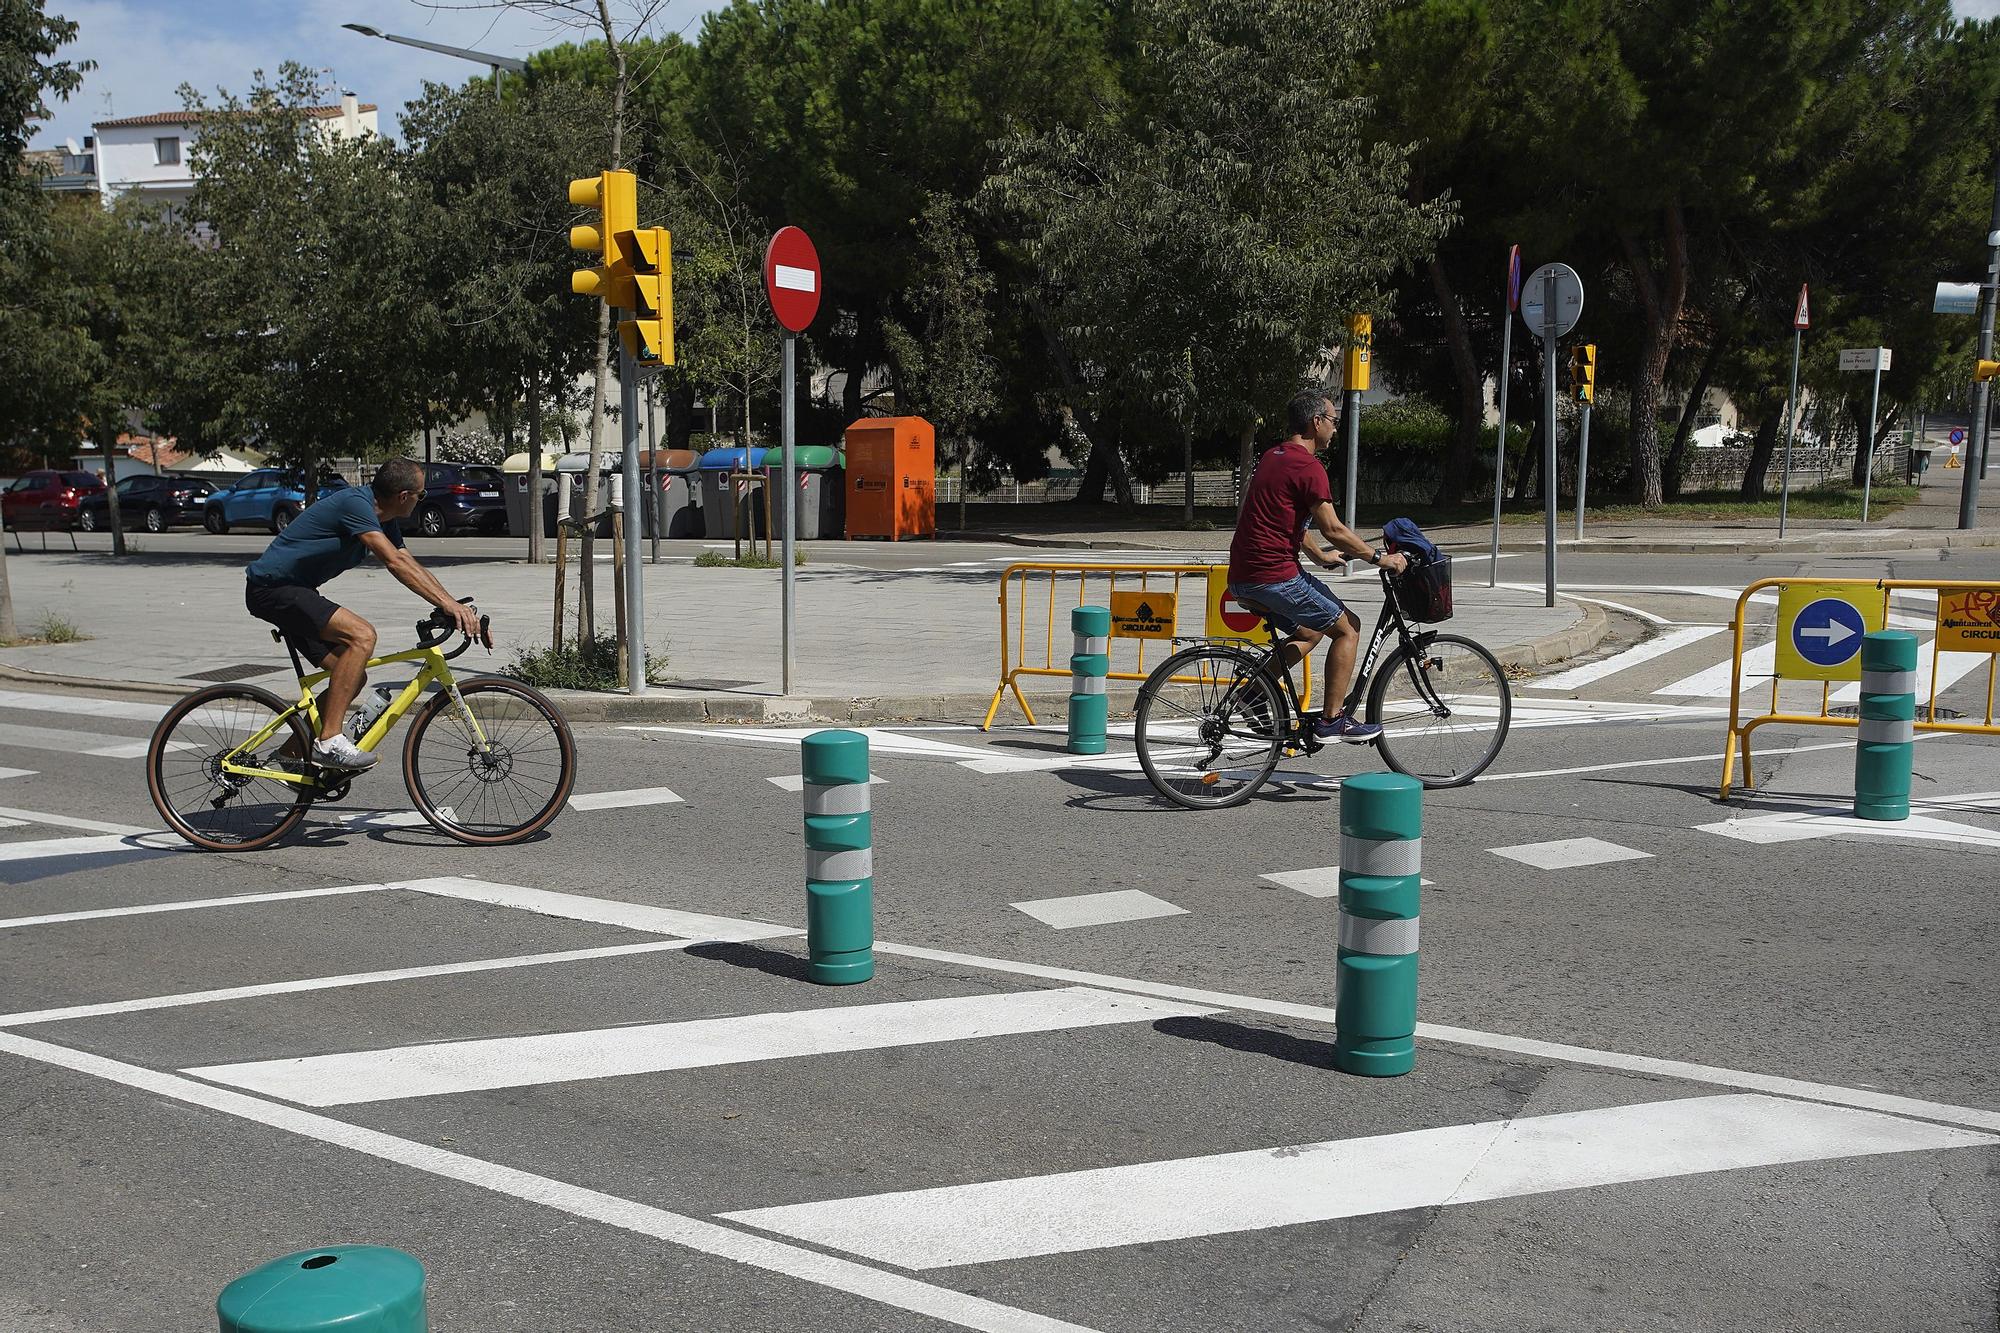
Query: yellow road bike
[487, 761]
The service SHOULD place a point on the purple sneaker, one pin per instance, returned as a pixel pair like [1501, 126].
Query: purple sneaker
[1345, 729]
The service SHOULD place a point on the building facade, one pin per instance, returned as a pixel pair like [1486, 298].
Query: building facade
[149, 155]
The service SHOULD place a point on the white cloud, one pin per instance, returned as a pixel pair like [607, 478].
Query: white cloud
[1975, 9]
[146, 50]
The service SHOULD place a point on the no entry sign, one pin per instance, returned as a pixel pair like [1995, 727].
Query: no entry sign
[792, 278]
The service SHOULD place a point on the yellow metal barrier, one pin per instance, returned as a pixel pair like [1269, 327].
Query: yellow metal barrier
[1034, 591]
[1985, 597]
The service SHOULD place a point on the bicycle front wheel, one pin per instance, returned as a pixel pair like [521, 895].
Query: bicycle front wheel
[494, 773]
[1444, 710]
[219, 811]
[1210, 725]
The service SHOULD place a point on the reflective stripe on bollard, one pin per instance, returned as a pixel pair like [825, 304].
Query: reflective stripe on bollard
[1885, 739]
[1089, 664]
[1381, 860]
[840, 858]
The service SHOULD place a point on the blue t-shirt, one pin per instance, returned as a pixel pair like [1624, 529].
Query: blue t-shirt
[324, 541]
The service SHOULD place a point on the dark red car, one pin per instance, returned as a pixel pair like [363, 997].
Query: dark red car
[46, 500]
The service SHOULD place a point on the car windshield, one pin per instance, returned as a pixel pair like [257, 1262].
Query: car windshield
[483, 476]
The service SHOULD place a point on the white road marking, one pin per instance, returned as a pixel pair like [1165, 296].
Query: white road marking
[333, 983]
[71, 821]
[1569, 853]
[1865, 1098]
[1594, 601]
[1838, 821]
[185, 905]
[439, 1068]
[1315, 1182]
[1098, 909]
[1713, 682]
[881, 740]
[797, 781]
[1953, 668]
[1323, 882]
[895, 1290]
[619, 800]
[72, 705]
[66, 740]
[17, 772]
[1656, 763]
[1577, 677]
[102, 845]
[602, 911]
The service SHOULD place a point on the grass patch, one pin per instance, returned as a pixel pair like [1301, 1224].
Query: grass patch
[590, 665]
[1833, 501]
[54, 628]
[717, 560]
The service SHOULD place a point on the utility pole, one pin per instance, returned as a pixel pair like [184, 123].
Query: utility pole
[1975, 460]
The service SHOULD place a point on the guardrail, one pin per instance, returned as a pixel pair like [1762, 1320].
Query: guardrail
[1033, 593]
[1965, 612]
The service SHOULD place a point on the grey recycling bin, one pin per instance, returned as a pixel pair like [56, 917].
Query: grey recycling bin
[719, 501]
[822, 490]
[572, 468]
[515, 470]
[678, 499]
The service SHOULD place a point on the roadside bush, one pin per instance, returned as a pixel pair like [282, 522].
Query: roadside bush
[591, 665]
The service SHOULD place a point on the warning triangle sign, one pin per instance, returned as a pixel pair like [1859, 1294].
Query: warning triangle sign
[1802, 320]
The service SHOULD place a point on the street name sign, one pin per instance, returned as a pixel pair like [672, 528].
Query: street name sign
[1864, 358]
[1956, 298]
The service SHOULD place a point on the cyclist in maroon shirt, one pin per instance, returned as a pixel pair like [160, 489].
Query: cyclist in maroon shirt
[1287, 497]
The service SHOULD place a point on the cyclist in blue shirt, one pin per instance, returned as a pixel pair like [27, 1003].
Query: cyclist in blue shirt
[331, 537]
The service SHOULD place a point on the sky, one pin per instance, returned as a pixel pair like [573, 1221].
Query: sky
[145, 49]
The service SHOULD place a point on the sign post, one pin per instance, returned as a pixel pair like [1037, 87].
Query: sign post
[1500, 441]
[1354, 378]
[1551, 305]
[630, 495]
[1801, 321]
[792, 281]
[1876, 359]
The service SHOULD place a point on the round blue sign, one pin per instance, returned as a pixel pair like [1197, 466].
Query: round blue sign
[1957, 436]
[1828, 632]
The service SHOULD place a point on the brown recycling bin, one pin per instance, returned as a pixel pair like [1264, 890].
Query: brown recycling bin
[891, 478]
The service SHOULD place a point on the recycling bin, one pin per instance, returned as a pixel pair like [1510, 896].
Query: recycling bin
[677, 501]
[519, 506]
[821, 491]
[719, 501]
[891, 478]
[572, 468]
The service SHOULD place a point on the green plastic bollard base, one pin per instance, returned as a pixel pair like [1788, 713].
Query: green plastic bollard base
[348, 1288]
[1089, 716]
[1377, 1059]
[840, 932]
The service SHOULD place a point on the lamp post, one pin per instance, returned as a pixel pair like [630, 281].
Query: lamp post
[500, 65]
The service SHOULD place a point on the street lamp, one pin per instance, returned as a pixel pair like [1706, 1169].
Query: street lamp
[500, 65]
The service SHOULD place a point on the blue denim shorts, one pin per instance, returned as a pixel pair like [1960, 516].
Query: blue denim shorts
[1300, 601]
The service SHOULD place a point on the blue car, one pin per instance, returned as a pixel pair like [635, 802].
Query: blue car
[271, 497]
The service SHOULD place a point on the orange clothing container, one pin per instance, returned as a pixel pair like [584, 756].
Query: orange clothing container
[891, 478]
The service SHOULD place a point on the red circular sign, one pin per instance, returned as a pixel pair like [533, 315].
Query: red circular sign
[792, 278]
[1237, 616]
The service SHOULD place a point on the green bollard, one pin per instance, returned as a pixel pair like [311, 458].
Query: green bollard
[1885, 747]
[349, 1288]
[840, 866]
[1089, 664]
[1381, 855]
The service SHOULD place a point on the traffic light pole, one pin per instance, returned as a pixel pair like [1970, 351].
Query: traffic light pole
[788, 577]
[1582, 465]
[1350, 515]
[1975, 459]
[1549, 338]
[1500, 442]
[635, 604]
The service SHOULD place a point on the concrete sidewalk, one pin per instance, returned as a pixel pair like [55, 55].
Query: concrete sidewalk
[871, 644]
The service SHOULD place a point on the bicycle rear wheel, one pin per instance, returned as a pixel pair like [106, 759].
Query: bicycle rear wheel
[499, 790]
[1210, 726]
[1444, 710]
[214, 810]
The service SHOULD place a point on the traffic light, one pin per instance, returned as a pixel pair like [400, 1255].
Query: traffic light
[1583, 371]
[1985, 370]
[615, 195]
[648, 337]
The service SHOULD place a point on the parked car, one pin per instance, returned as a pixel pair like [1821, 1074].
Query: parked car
[149, 502]
[269, 496]
[46, 500]
[461, 497]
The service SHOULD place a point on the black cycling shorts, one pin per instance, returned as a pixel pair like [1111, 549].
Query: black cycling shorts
[299, 613]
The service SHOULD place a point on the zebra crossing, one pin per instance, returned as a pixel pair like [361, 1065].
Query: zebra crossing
[994, 1114]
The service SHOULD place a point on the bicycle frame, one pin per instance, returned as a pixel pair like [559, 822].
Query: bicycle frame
[1389, 617]
[435, 670]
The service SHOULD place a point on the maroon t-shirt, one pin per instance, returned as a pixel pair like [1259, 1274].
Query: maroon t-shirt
[1287, 486]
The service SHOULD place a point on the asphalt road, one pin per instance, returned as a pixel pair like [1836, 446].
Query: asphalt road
[1744, 1075]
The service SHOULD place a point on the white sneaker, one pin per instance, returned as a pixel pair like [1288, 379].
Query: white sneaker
[343, 754]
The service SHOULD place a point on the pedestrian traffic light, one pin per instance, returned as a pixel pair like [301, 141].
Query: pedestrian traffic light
[1985, 370]
[648, 337]
[615, 196]
[1583, 371]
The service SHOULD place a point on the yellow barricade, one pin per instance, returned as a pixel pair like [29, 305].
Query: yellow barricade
[1038, 595]
[1817, 641]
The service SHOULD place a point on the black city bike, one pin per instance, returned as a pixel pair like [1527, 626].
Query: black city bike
[1214, 718]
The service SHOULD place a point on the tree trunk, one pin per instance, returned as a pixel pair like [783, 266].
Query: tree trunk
[1761, 449]
[1531, 463]
[1670, 475]
[1114, 462]
[8, 631]
[1246, 458]
[1868, 441]
[1661, 299]
[1090, 487]
[1462, 460]
[110, 448]
[1187, 479]
[535, 533]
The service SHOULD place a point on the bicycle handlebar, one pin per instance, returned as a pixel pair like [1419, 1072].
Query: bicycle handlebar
[435, 628]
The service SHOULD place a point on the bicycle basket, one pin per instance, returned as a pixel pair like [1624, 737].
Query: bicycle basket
[1425, 588]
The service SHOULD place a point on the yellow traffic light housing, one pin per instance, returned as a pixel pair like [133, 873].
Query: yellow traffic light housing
[1985, 370]
[1583, 371]
[1360, 346]
[615, 195]
[648, 338]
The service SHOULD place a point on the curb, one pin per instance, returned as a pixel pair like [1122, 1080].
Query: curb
[1908, 539]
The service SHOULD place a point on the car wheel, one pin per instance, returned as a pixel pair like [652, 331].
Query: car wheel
[213, 520]
[282, 516]
[155, 519]
[87, 520]
[430, 521]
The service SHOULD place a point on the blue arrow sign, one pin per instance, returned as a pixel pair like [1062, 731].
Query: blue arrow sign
[1828, 632]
